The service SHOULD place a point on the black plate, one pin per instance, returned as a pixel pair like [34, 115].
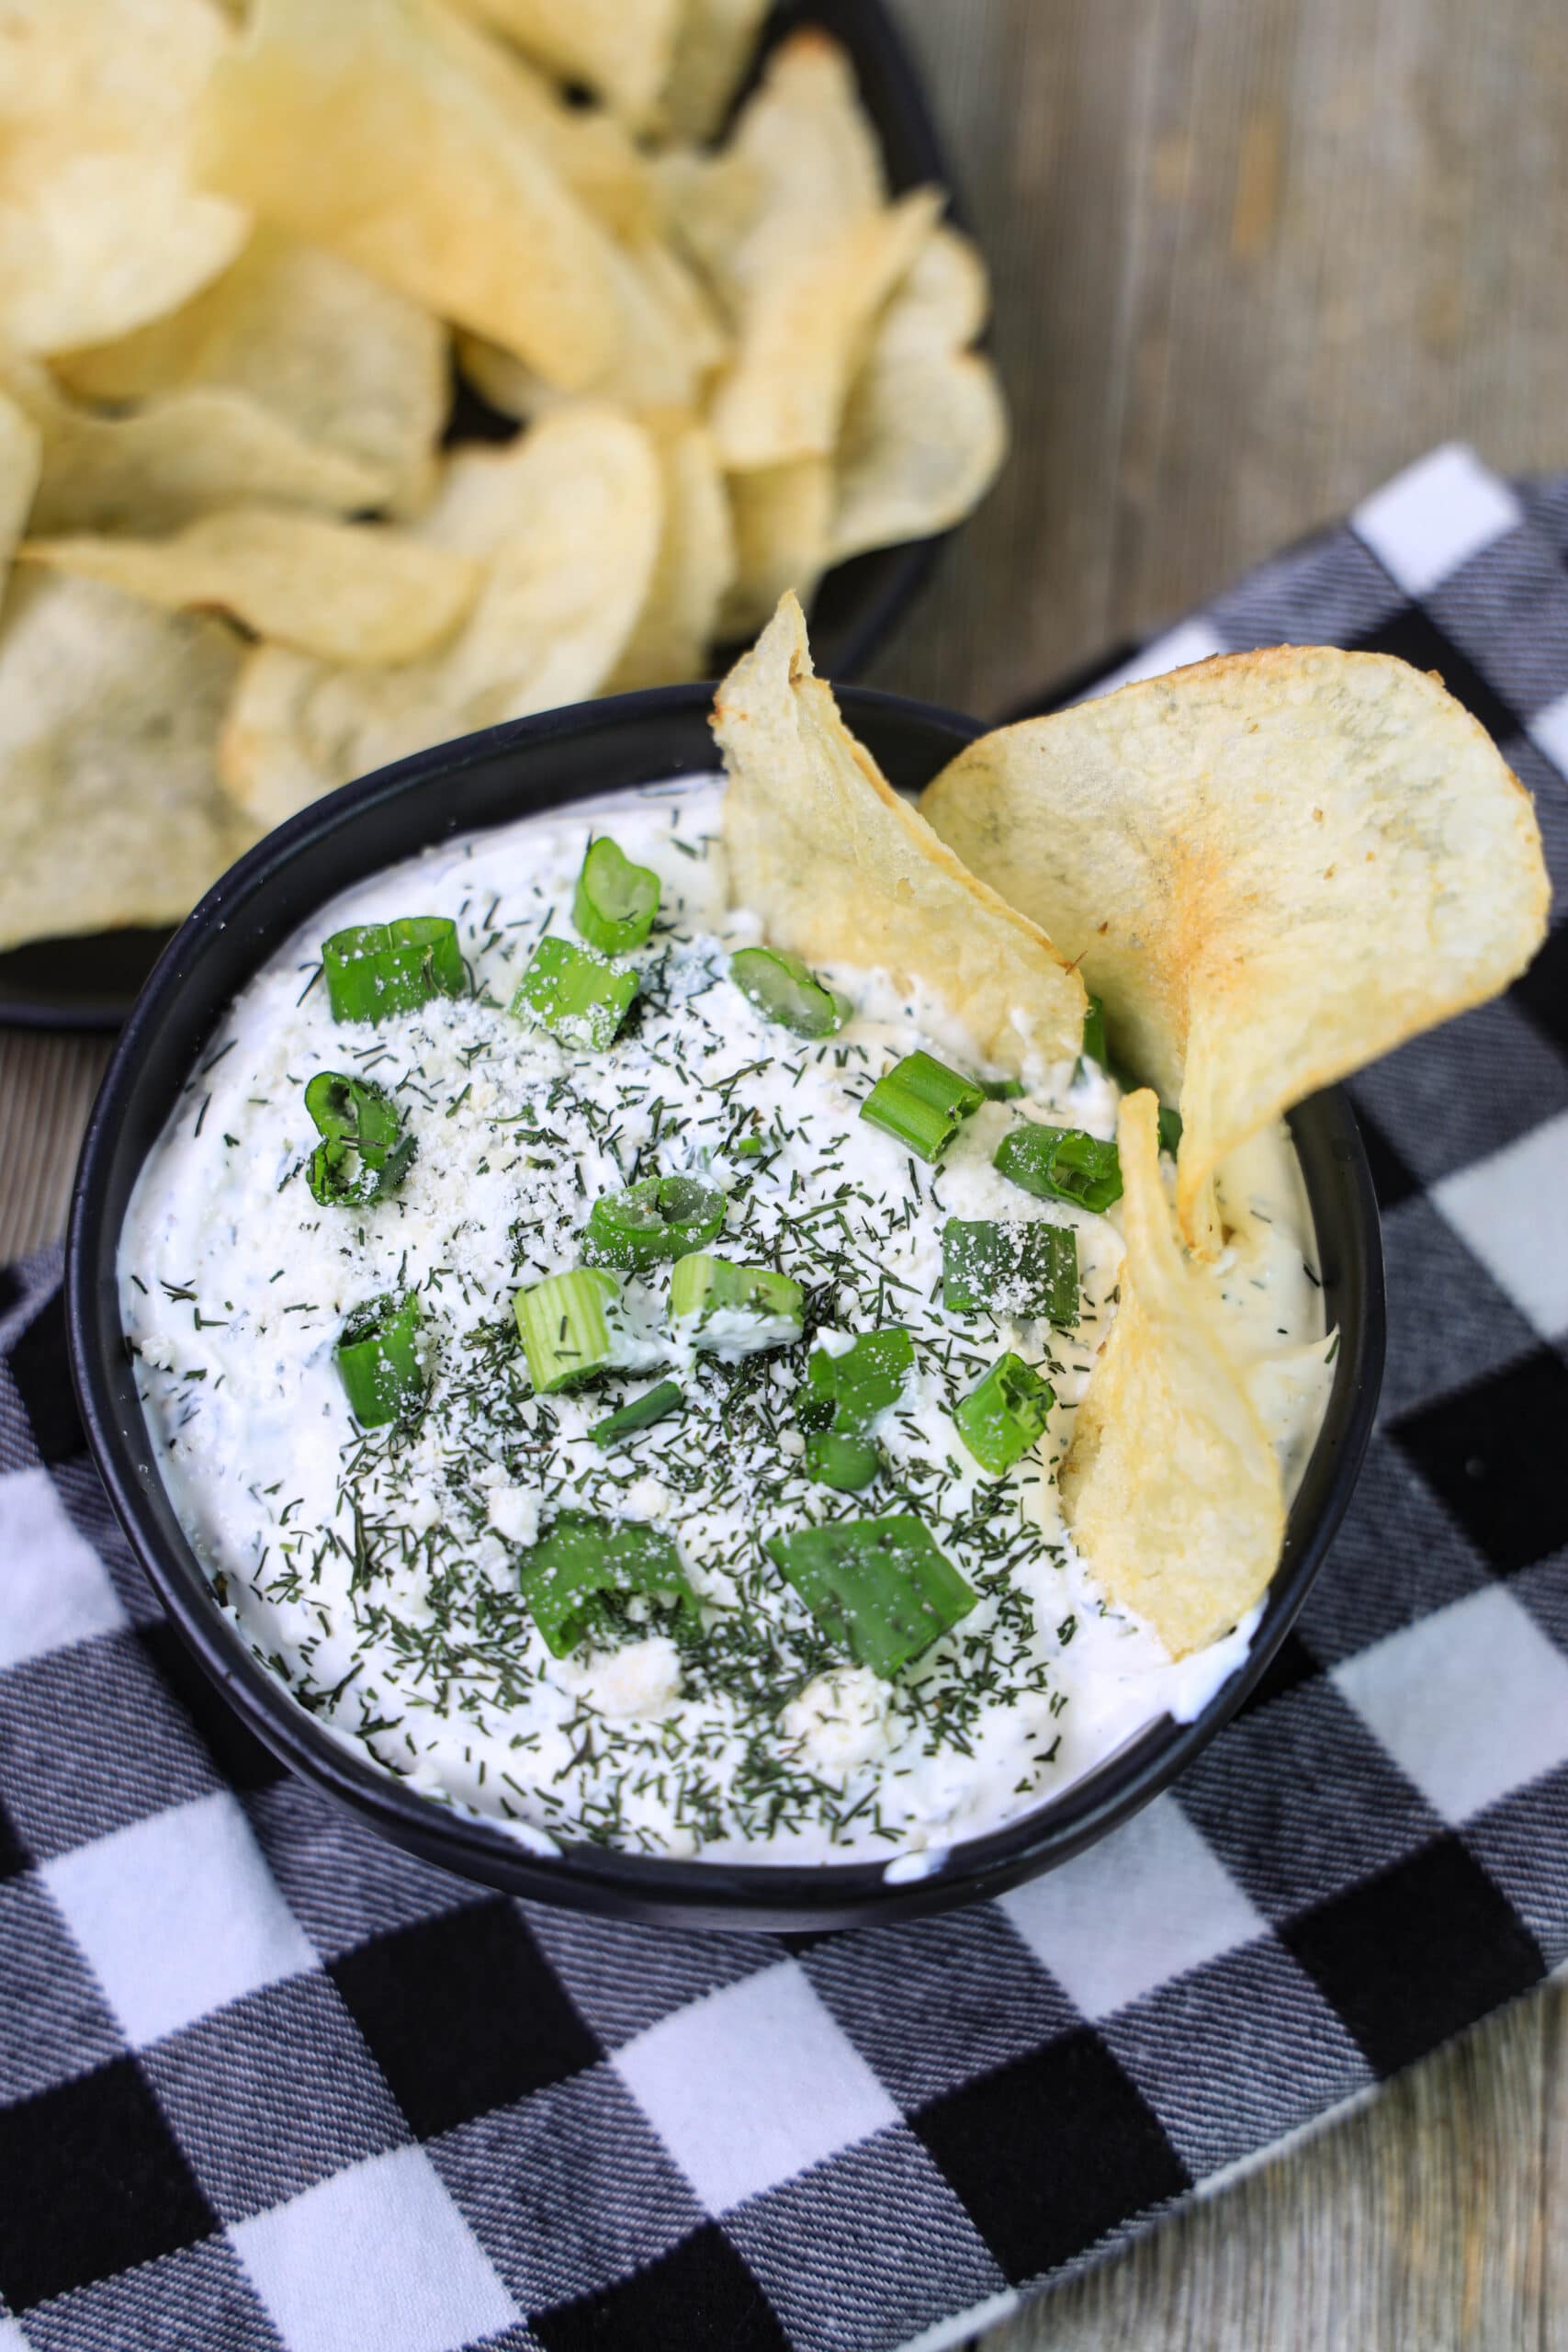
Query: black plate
[91, 983]
[538, 764]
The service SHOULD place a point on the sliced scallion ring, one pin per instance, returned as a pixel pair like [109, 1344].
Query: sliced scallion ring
[564, 1327]
[843, 1395]
[882, 1587]
[585, 1563]
[364, 1150]
[1010, 1267]
[575, 994]
[786, 990]
[923, 1104]
[374, 969]
[1060, 1164]
[664, 1217]
[739, 1309]
[1006, 1415]
[616, 901]
[380, 1363]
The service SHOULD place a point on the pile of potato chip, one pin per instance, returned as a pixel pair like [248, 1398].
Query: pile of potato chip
[240, 247]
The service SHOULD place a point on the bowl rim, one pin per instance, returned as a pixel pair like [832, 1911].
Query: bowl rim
[749, 1896]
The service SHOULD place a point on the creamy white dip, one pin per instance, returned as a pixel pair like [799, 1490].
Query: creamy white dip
[378, 1572]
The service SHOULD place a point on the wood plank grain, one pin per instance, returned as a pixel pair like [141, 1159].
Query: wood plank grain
[47, 1085]
[1248, 261]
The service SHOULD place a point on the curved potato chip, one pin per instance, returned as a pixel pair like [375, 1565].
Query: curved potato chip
[781, 516]
[1274, 867]
[1170, 1486]
[351, 365]
[803, 329]
[591, 152]
[840, 868]
[620, 47]
[367, 127]
[801, 168]
[671, 343]
[348, 592]
[172, 460]
[569, 517]
[100, 225]
[713, 48]
[925, 429]
[109, 712]
[21, 460]
[791, 224]
[695, 562]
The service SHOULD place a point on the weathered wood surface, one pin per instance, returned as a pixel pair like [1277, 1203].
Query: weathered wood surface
[1251, 255]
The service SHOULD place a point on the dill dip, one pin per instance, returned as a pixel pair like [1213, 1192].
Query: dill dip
[382, 1572]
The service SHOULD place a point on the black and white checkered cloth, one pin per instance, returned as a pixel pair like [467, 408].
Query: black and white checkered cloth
[263, 2082]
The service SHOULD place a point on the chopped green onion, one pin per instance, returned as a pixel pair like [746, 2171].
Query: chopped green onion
[653, 1404]
[1010, 1266]
[784, 990]
[616, 901]
[755, 1148]
[1001, 1090]
[564, 1328]
[379, 1359]
[377, 968]
[584, 1564]
[881, 1585]
[578, 996]
[1169, 1130]
[847, 1464]
[844, 1393]
[741, 1309]
[363, 1151]
[1006, 1415]
[1061, 1164]
[664, 1217]
[922, 1103]
[1094, 1046]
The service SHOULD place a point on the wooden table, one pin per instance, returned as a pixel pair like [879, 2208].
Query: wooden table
[1250, 256]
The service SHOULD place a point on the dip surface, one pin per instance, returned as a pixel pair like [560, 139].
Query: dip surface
[378, 1572]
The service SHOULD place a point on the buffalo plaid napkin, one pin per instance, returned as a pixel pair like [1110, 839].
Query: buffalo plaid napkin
[263, 2082]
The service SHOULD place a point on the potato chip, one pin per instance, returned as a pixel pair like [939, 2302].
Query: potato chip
[1274, 867]
[109, 712]
[1171, 1485]
[621, 48]
[924, 430]
[365, 127]
[840, 868]
[351, 366]
[21, 458]
[172, 460]
[694, 565]
[803, 332]
[781, 516]
[791, 224]
[714, 43]
[671, 343]
[100, 225]
[589, 150]
[569, 519]
[348, 592]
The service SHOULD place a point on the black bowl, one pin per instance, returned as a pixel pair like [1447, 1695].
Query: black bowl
[91, 982]
[531, 764]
